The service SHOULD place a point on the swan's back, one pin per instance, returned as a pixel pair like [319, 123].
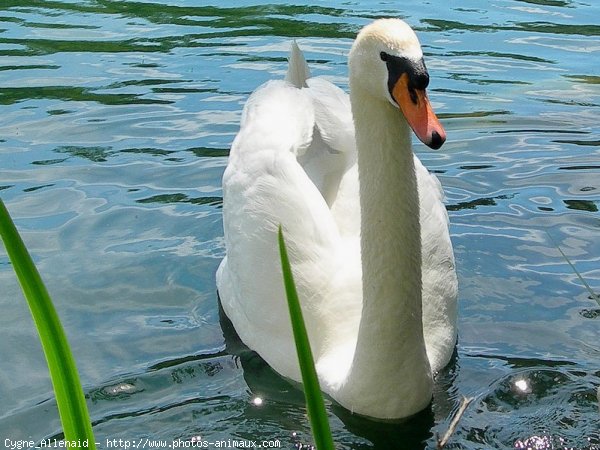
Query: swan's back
[285, 167]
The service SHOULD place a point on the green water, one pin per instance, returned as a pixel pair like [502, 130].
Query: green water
[116, 119]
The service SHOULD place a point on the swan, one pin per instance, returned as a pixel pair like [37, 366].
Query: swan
[364, 222]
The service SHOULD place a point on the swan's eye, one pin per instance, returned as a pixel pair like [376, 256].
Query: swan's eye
[384, 56]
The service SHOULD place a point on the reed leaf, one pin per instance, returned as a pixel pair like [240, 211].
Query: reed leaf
[70, 399]
[593, 295]
[312, 391]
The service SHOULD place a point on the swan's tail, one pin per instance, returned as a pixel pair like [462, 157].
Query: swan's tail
[298, 72]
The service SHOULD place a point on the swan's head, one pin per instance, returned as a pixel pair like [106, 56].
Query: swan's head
[386, 61]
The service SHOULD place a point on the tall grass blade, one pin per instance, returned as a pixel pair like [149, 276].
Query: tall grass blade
[312, 391]
[65, 379]
[585, 283]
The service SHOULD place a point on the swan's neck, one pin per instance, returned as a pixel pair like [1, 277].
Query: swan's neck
[391, 323]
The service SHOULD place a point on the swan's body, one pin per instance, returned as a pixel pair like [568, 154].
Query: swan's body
[372, 260]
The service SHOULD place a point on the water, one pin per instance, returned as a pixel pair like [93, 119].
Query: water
[116, 121]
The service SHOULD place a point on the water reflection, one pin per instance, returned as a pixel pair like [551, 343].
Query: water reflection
[182, 198]
[473, 204]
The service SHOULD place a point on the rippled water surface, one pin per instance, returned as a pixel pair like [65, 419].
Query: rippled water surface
[116, 119]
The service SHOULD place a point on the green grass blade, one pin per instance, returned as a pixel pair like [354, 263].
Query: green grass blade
[65, 379]
[312, 391]
[585, 284]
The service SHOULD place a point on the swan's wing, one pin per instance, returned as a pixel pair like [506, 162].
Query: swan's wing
[298, 71]
[440, 286]
[333, 115]
[330, 159]
[264, 186]
[332, 149]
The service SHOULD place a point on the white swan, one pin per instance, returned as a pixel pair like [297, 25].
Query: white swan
[372, 260]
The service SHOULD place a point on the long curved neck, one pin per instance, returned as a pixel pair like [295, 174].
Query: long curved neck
[390, 360]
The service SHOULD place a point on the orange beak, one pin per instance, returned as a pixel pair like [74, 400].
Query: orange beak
[418, 113]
